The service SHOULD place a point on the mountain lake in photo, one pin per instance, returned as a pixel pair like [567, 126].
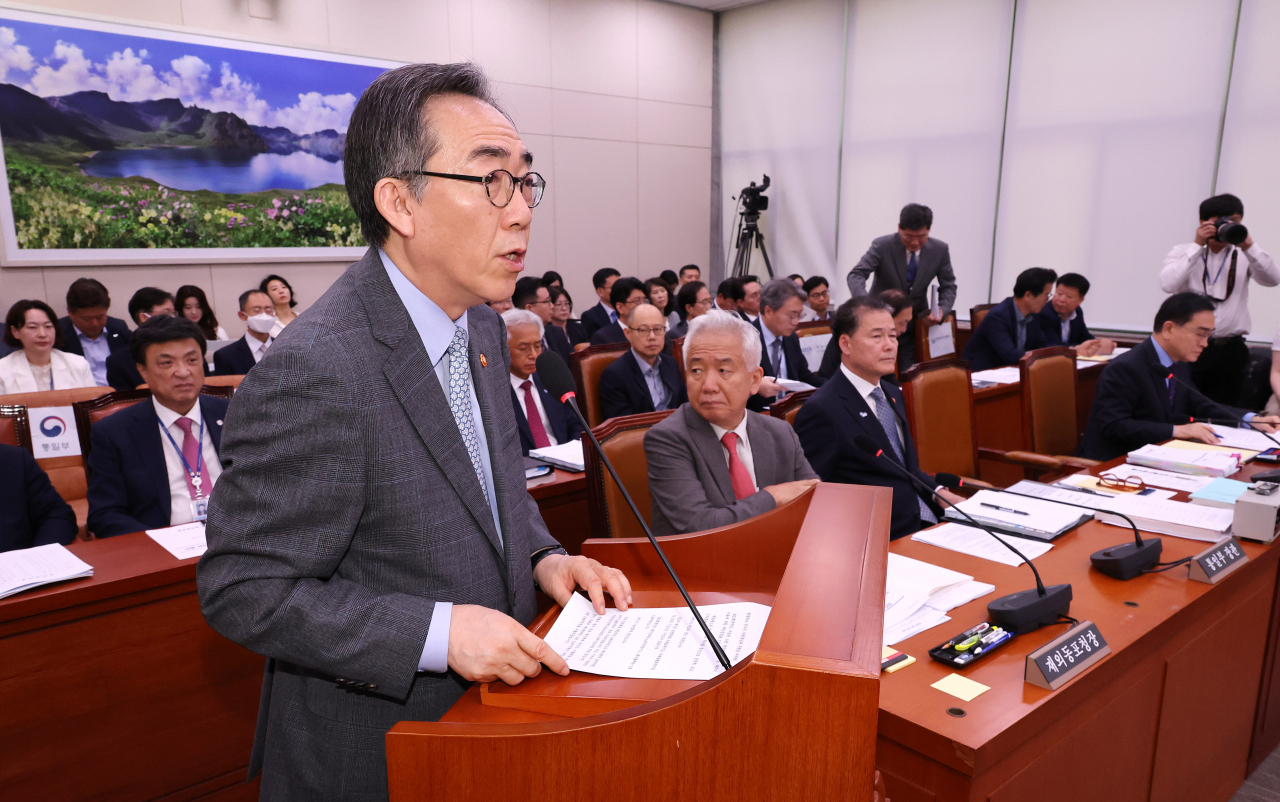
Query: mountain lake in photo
[216, 169]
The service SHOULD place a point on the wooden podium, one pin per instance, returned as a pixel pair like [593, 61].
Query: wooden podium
[795, 720]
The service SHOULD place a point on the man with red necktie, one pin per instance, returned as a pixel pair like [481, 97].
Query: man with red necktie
[712, 462]
[541, 418]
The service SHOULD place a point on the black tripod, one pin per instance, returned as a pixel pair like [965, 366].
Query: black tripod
[749, 236]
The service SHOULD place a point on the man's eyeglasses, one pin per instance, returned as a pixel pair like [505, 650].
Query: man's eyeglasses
[500, 185]
[650, 331]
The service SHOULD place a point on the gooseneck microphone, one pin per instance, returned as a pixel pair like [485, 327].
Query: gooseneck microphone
[1125, 561]
[1021, 612]
[559, 382]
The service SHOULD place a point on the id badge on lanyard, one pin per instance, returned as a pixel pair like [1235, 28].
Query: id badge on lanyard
[200, 503]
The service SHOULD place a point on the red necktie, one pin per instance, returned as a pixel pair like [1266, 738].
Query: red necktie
[535, 420]
[738, 474]
[190, 452]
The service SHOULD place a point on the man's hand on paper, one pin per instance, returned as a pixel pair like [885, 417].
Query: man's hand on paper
[1089, 348]
[1266, 423]
[769, 387]
[1199, 432]
[789, 491]
[1106, 346]
[560, 575]
[485, 645]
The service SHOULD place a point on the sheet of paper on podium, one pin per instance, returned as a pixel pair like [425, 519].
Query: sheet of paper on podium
[654, 642]
[183, 541]
[23, 569]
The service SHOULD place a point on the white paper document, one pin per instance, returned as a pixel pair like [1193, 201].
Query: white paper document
[918, 595]
[654, 642]
[941, 343]
[1248, 439]
[1152, 476]
[977, 543]
[566, 455]
[23, 569]
[183, 541]
[1177, 518]
[1011, 513]
[813, 347]
[793, 386]
[1185, 460]
[1006, 375]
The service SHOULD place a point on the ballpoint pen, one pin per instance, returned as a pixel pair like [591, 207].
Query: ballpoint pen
[1003, 509]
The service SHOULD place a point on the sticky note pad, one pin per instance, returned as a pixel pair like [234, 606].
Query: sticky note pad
[960, 687]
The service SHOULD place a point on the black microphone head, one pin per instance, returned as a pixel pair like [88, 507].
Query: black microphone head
[865, 443]
[949, 480]
[555, 375]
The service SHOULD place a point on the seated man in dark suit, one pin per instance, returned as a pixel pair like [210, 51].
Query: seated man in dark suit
[625, 294]
[603, 313]
[87, 330]
[532, 296]
[712, 462]
[781, 305]
[643, 379]
[1062, 319]
[154, 464]
[258, 312]
[1145, 396]
[554, 423]
[1012, 328]
[729, 296]
[857, 401]
[146, 303]
[31, 511]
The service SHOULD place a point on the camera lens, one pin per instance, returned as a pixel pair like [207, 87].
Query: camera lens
[1231, 232]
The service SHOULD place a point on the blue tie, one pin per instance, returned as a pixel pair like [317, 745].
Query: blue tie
[911, 270]
[460, 402]
[890, 424]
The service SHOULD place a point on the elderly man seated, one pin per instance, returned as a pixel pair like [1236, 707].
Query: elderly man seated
[541, 418]
[713, 463]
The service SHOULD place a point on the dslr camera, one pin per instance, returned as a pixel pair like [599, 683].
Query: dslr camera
[1230, 232]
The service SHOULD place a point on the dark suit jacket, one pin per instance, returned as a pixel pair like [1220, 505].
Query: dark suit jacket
[347, 510]
[995, 343]
[886, 262]
[797, 366]
[689, 482]
[31, 511]
[595, 319]
[128, 480]
[577, 332]
[827, 425]
[122, 371]
[118, 335]
[235, 359]
[1131, 405]
[564, 424]
[558, 342]
[1051, 327]
[611, 333]
[623, 390]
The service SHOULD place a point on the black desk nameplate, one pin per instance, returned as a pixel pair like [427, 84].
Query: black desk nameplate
[1066, 656]
[1217, 561]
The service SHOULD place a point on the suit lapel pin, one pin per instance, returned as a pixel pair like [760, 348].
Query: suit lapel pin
[484, 363]
[863, 414]
[217, 423]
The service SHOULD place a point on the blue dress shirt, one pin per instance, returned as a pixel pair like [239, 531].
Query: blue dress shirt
[96, 353]
[658, 392]
[436, 330]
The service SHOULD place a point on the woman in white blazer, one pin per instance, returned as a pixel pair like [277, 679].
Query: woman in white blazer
[32, 327]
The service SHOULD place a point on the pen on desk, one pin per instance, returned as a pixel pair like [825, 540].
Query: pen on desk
[1003, 509]
[1078, 489]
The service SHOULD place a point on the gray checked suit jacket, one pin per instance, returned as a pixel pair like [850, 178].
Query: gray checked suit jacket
[886, 263]
[348, 506]
[689, 480]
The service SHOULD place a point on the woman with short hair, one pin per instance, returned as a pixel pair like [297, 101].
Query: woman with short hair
[38, 365]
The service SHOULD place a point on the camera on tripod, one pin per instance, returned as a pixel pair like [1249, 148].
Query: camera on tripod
[748, 236]
[1228, 230]
[753, 201]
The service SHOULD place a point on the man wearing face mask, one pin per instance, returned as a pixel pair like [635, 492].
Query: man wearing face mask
[259, 313]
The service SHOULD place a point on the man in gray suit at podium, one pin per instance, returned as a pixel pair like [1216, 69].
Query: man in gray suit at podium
[371, 534]
[909, 261]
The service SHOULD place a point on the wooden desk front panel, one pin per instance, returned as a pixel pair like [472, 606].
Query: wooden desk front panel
[997, 415]
[562, 500]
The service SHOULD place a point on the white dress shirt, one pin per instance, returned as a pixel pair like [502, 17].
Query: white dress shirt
[516, 383]
[1184, 271]
[1066, 324]
[744, 447]
[865, 388]
[210, 470]
[808, 315]
[96, 352]
[258, 347]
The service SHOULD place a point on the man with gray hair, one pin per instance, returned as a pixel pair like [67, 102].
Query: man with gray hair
[543, 420]
[372, 535]
[713, 462]
[781, 307]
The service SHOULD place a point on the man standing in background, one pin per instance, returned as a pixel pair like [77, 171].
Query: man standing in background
[909, 261]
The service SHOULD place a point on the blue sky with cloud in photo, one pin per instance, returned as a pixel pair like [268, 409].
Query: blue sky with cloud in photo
[302, 94]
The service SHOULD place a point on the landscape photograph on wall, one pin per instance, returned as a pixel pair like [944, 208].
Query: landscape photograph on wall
[116, 137]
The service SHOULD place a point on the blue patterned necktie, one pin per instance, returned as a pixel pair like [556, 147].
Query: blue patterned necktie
[911, 270]
[890, 424]
[460, 402]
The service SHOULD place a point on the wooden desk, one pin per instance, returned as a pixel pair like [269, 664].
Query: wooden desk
[562, 500]
[1169, 715]
[114, 687]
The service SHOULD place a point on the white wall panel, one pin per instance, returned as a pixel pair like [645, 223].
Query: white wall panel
[673, 225]
[492, 46]
[592, 116]
[674, 53]
[1250, 164]
[593, 46]
[596, 211]
[353, 29]
[674, 124]
[1112, 123]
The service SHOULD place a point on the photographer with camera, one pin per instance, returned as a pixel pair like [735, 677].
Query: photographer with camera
[1219, 265]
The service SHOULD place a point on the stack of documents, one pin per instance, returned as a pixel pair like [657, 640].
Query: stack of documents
[24, 569]
[566, 455]
[1025, 517]
[1100, 357]
[1177, 518]
[1184, 460]
[1009, 375]
[1220, 493]
[917, 596]
[977, 543]
[1247, 439]
[1150, 476]
[793, 386]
